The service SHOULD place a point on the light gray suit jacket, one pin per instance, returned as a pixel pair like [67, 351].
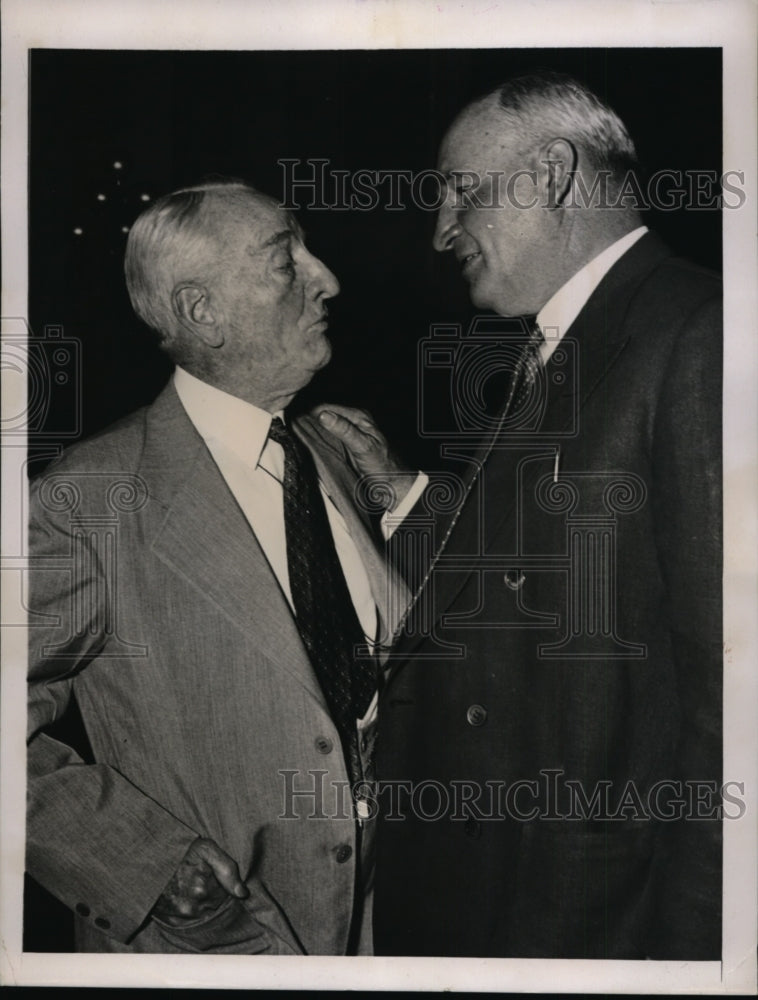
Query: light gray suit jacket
[152, 603]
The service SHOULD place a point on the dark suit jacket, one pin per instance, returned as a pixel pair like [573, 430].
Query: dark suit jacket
[584, 593]
[152, 604]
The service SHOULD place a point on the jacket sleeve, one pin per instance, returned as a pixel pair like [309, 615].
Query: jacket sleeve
[686, 495]
[93, 839]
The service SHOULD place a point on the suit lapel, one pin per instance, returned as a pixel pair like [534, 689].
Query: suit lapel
[206, 539]
[599, 337]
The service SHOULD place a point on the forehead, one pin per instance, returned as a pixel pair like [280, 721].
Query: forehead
[479, 139]
[253, 221]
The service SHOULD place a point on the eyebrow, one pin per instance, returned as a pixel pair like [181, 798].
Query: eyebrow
[279, 239]
[276, 240]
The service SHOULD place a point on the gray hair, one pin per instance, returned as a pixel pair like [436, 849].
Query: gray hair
[545, 105]
[170, 241]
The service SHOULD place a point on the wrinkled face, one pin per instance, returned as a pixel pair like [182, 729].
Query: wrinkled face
[269, 295]
[493, 216]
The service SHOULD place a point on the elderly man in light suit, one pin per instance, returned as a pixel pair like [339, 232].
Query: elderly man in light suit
[167, 600]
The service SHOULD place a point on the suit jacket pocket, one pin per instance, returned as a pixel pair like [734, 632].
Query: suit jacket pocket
[582, 893]
[253, 926]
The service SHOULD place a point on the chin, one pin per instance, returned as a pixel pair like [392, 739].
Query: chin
[322, 354]
[312, 362]
[481, 296]
[484, 300]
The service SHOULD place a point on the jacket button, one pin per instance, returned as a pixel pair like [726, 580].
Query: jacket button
[476, 715]
[102, 922]
[324, 744]
[82, 909]
[344, 853]
[514, 579]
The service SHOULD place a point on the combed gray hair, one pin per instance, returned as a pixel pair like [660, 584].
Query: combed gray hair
[545, 105]
[172, 240]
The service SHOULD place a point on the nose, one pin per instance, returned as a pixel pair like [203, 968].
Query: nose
[321, 280]
[447, 229]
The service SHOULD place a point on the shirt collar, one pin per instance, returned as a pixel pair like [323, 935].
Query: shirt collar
[225, 419]
[560, 311]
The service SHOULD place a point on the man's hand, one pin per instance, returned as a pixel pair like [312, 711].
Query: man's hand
[367, 448]
[201, 883]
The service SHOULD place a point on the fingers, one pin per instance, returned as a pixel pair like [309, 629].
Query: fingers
[367, 447]
[355, 428]
[205, 877]
[357, 438]
[356, 416]
[217, 863]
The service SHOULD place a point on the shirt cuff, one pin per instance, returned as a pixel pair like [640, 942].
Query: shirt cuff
[392, 519]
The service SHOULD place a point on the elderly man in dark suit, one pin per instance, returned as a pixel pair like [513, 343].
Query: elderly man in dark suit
[550, 756]
[207, 593]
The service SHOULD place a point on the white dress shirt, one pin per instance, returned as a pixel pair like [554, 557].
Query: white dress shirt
[236, 434]
[560, 311]
[252, 465]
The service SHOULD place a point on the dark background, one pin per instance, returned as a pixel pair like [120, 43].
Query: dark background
[174, 118]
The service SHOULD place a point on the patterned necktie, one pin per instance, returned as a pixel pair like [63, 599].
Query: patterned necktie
[325, 613]
[519, 388]
[524, 372]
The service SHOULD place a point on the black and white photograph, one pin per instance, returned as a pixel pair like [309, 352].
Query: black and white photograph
[379, 488]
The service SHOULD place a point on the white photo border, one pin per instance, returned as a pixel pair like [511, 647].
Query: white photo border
[380, 24]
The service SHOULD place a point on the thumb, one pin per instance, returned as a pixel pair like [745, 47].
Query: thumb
[329, 419]
[225, 869]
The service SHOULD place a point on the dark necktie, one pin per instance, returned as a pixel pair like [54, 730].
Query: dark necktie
[524, 372]
[325, 613]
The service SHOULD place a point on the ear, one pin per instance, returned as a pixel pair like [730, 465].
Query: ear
[192, 307]
[558, 161]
